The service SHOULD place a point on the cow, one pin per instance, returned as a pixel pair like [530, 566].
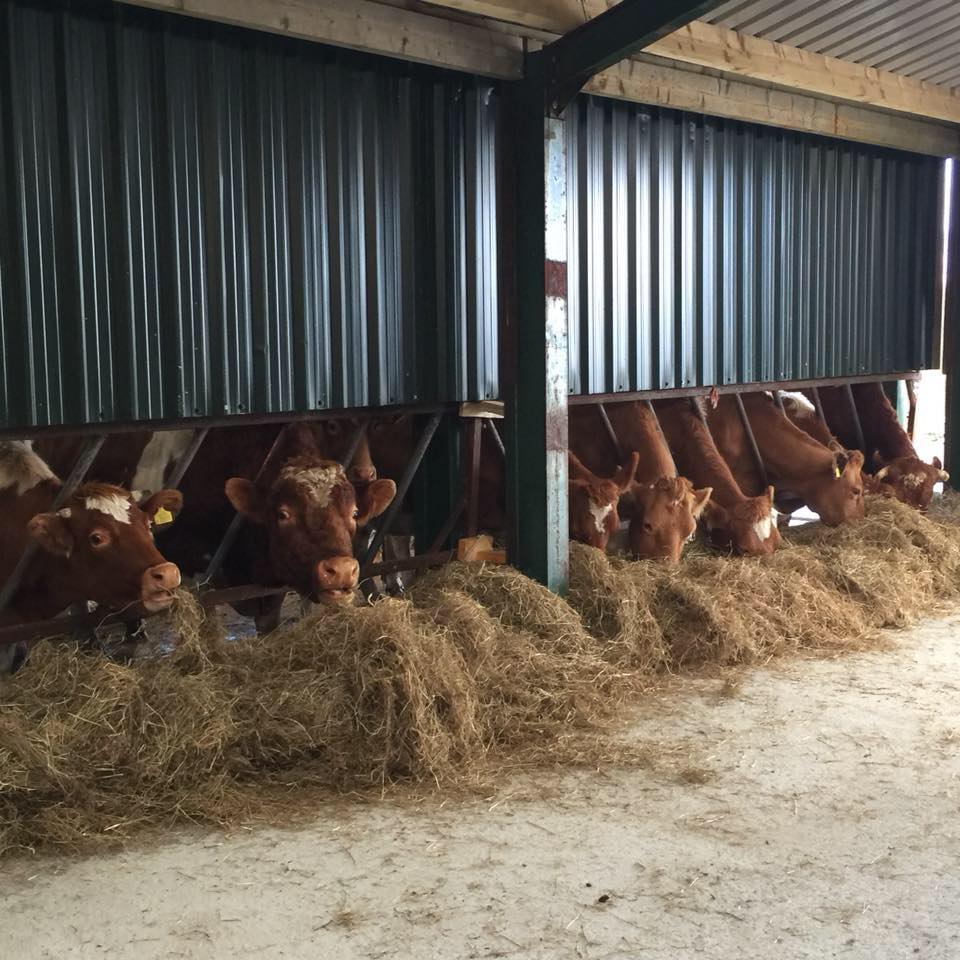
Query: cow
[829, 483]
[662, 507]
[303, 515]
[593, 514]
[98, 546]
[732, 520]
[592, 497]
[891, 457]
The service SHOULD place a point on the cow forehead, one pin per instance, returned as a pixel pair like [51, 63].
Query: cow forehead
[318, 483]
[113, 505]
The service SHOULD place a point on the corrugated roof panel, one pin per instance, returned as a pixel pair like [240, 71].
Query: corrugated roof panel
[916, 39]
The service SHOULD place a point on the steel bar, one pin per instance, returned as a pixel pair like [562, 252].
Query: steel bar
[448, 525]
[236, 524]
[817, 405]
[752, 440]
[495, 433]
[180, 470]
[79, 471]
[473, 487]
[861, 443]
[611, 433]
[354, 445]
[757, 387]
[630, 25]
[394, 509]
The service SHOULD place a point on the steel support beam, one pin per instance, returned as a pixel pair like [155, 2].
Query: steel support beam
[537, 384]
[951, 334]
[573, 59]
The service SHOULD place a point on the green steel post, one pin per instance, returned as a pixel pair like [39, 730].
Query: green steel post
[536, 393]
[951, 335]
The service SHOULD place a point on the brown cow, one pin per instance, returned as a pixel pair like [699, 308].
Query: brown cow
[593, 514]
[663, 508]
[304, 512]
[891, 456]
[592, 499]
[98, 546]
[829, 483]
[733, 520]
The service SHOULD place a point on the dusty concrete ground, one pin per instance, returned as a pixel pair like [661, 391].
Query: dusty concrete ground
[813, 813]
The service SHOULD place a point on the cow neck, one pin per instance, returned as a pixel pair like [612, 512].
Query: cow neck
[698, 458]
[636, 430]
[15, 513]
[881, 427]
[792, 458]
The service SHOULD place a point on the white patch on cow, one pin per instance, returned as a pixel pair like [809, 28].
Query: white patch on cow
[912, 480]
[164, 449]
[113, 506]
[20, 467]
[600, 512]
[318, 482]
[66, 513]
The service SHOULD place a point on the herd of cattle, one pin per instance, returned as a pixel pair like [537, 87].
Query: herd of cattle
[113, 541]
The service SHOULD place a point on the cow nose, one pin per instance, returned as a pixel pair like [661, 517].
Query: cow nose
[363, 474]
[338, 573]
[164, 576]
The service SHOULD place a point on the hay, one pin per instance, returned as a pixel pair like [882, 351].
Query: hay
[479, 672]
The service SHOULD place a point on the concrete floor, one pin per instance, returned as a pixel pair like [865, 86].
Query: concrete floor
[813, 813]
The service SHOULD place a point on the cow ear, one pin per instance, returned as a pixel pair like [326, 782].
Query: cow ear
[374, 499]
[700, 499]
[769, 494]
[52, 533]
[245, 498]
[625, 475]
[854, 461]
[937, 463]
[163, 506]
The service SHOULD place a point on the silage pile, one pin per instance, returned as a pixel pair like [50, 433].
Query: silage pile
[481, 669]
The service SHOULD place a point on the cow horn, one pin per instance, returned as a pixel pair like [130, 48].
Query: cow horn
[882, 473]
[944, 476]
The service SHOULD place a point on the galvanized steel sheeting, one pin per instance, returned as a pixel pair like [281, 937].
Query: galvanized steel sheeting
[204, 221]
[710, 251]
[916, 38]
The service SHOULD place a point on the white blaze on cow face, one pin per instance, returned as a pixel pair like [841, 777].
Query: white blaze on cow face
[600, 512]
[765, 526]
[318, 482]
[113, 506]
[20, 467]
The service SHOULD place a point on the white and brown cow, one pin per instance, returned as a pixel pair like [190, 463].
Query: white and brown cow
[98, 546]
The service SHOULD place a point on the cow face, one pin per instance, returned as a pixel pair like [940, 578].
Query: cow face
[911, 480]
[310, 515]
[333, 439]
[837, 495]
[100, 547]
[748, 527]
[593, 513]
[664, 518]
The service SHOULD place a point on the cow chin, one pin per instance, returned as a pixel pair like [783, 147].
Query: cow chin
[333, 598]
[157, 603]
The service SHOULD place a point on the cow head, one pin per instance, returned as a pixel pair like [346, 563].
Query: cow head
[100, 547]
[664, 517]
[910, 480]
[333, 438]
[836, 493]
[593, 503]
[310, 514]
[748, 527]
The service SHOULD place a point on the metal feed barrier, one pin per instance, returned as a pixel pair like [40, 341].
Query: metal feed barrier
[467, 501]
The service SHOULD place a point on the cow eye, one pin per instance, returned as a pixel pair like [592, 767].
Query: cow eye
[356, 513]
[97, 539]
[283, 514]
[648, 527]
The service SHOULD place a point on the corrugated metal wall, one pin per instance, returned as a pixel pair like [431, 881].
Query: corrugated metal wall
[710, 251]
[203, 221]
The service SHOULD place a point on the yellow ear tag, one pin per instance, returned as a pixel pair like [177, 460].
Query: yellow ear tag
[163, 516]
[836, 472]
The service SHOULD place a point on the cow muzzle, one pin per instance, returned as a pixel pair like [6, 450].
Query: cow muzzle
[337, 578]
[157, 586]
